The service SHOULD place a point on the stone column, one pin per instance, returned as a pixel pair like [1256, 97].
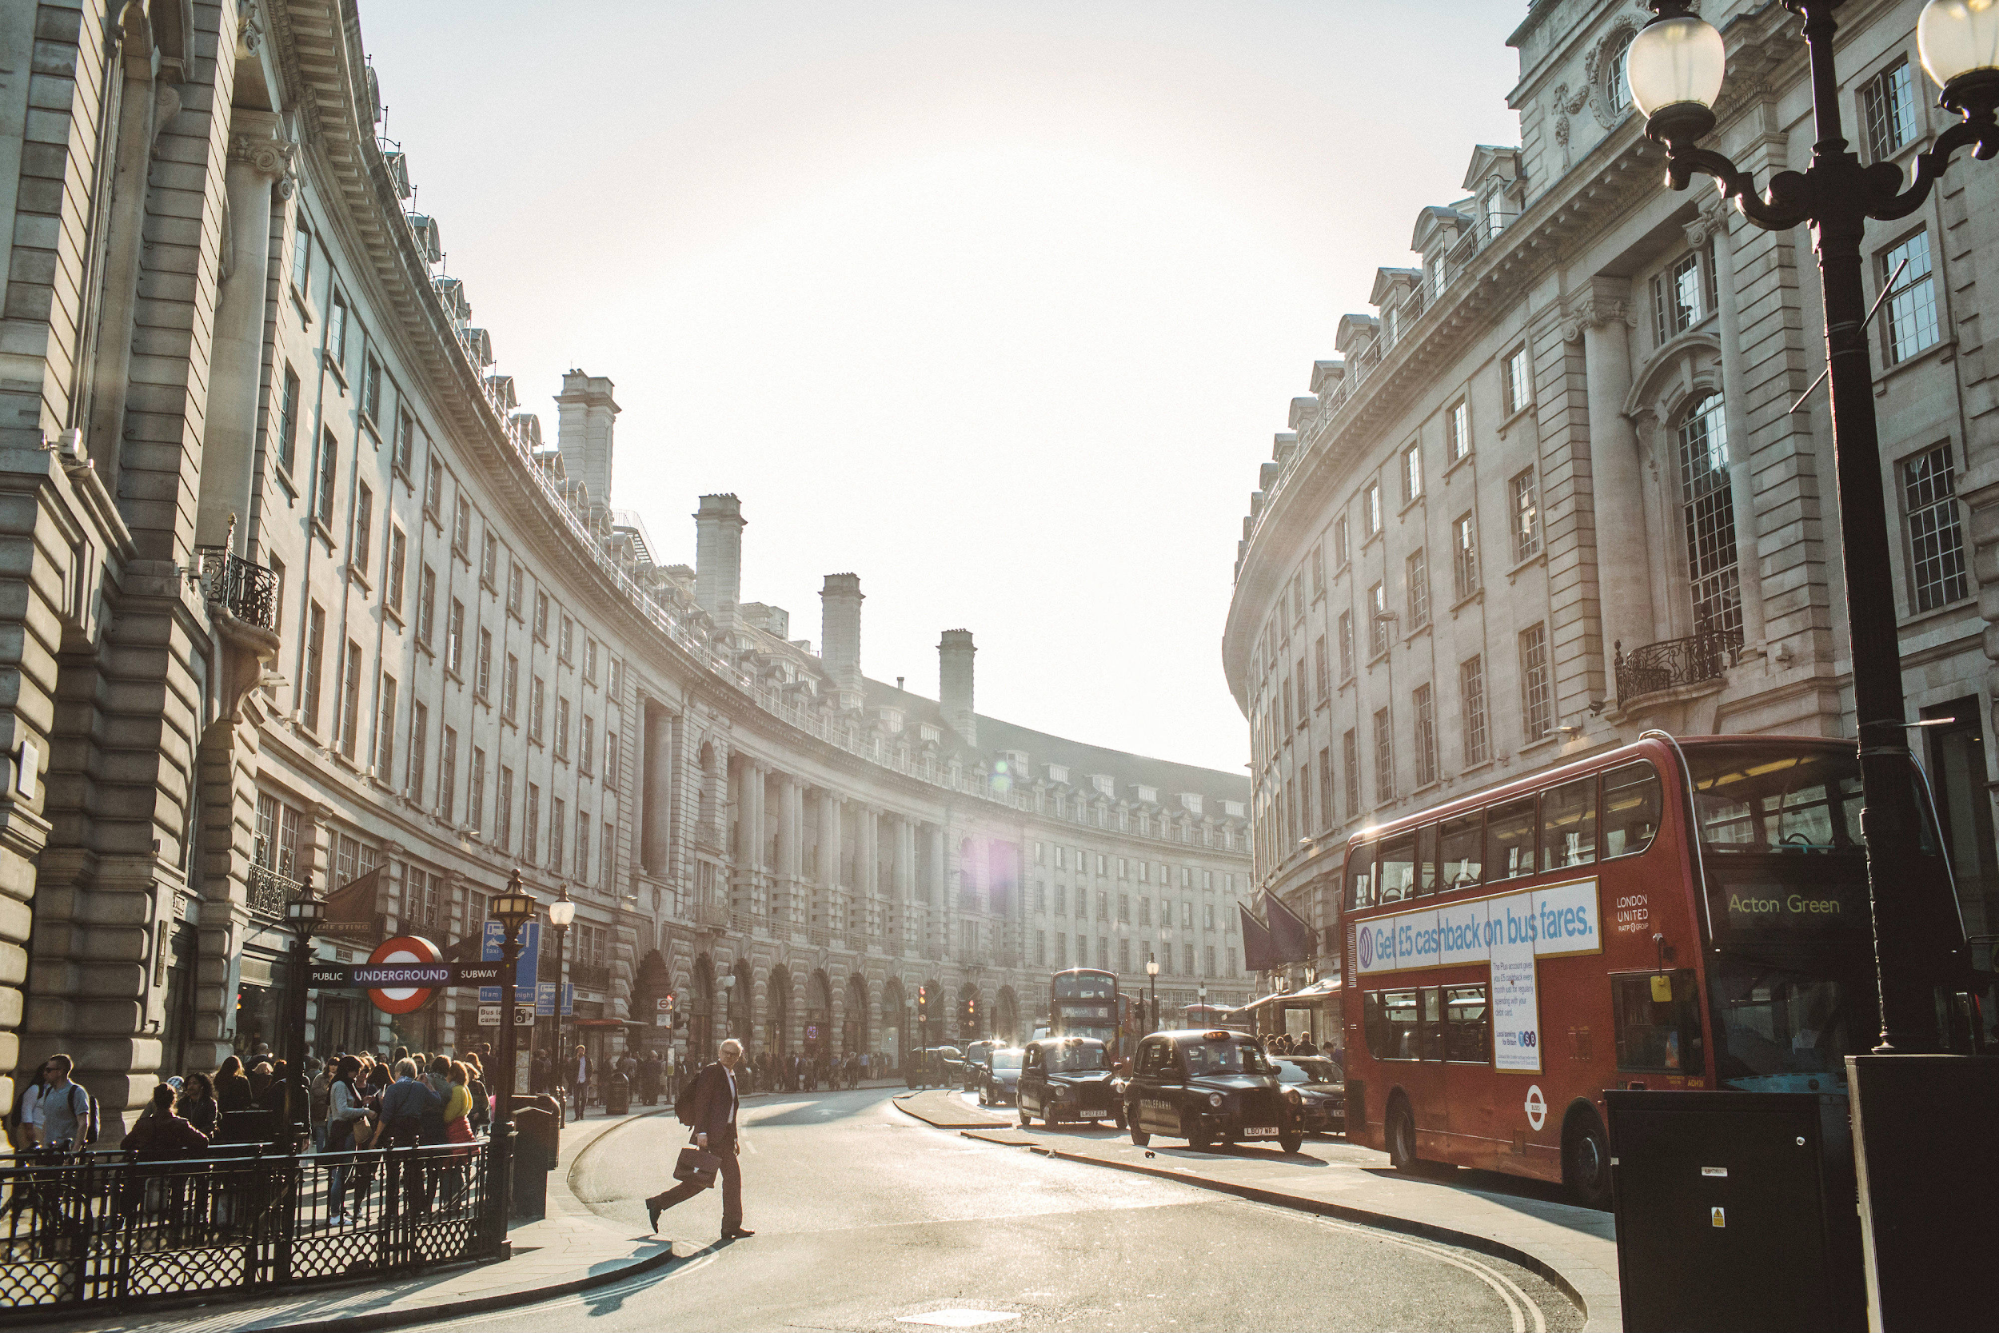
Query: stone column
[867, 874]
[1712, 225]
[655, 787]
[832, 853]
[1624, 577]
[258, 157]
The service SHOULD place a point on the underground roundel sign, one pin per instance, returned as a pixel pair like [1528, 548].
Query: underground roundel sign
[411, 969]
[1537, 1107]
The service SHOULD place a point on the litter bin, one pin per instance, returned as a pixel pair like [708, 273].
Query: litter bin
[617, 1094]
[537, 1145]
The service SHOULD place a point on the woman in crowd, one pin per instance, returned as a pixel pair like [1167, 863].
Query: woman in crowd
[232, 1088]
[197, 1103]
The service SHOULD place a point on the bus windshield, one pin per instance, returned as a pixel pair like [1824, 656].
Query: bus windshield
[1749, 799]
[1786, 1029]
[1084, 986]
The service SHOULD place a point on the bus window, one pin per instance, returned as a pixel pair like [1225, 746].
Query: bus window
[1426, 860]
[1568, 824]
[1433, 1023]
[1360, 875]
[1462, 850]
[1631, 801]
[1390, 1021]
[1467, 1025]
[1658, 1022]
[1398, 869]
[1509, 840]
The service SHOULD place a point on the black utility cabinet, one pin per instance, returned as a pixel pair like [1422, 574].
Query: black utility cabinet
[1735, 1211]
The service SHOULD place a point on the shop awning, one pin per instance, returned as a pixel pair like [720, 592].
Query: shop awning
[605, 1023]
[1323, 989]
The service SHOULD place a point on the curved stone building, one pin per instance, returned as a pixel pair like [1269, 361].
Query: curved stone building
[300, 591]
[1571, 476]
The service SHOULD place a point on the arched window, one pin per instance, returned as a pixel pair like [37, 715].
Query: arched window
[1616, 87]
[1707, 503]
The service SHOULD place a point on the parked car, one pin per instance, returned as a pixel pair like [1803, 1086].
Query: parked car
[1209, 1087]
[1065, 1078]
[999, 1080]
[1321, 1089]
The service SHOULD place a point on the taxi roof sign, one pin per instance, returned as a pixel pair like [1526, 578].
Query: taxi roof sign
[1216, 1036]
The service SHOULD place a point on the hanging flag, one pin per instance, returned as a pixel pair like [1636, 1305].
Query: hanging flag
[1290, 937]
[1258, 955]
[351, 909]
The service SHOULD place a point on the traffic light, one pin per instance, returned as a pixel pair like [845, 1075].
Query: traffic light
[923, 1004]
[969, 1021]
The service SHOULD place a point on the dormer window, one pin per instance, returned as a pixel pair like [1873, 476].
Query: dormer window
[1439, 275]
[1392, 324]
[1495, 211]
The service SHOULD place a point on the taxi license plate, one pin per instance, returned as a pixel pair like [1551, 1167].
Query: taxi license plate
[1260, 1132]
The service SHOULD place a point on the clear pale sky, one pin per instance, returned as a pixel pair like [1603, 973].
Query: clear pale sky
[997, 305]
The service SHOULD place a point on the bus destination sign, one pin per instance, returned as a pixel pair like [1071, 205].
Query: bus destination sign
[1827, 906]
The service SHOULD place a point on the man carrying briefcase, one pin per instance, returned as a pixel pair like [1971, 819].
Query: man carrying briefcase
[709, 1107]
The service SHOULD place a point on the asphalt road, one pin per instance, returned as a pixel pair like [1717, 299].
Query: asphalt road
[866, 1219]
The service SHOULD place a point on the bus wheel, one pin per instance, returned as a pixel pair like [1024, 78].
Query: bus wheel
[1586, 1161]
[1401, 1137]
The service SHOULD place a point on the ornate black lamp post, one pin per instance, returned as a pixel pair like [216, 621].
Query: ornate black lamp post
[512, 908]
[303, 914]
[1675, 65]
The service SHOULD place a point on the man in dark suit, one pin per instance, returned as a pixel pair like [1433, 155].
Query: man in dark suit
[713, 1116]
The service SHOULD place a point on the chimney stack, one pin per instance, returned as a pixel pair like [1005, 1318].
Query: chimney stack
[840, 635]
[954, 684]
[585, 412]
[718, 557]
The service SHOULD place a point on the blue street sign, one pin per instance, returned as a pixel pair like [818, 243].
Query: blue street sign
[544, 1000]
[490, 952]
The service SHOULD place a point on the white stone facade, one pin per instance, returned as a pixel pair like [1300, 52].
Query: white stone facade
[1582, 422]
[299, 591]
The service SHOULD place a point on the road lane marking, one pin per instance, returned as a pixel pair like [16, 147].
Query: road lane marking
[1519, 1304]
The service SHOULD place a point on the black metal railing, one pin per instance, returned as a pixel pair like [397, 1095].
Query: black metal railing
[1700, 657]
[249, 590]
[590, 976]
[269, 891]
[81, 1229]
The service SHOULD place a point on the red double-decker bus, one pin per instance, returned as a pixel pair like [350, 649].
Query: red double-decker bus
[1684, 913]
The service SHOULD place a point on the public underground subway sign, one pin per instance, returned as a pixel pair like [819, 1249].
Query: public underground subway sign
[1510, 932]
[403, 973]
[1536, 1107]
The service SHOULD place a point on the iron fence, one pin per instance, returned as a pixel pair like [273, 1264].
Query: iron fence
[94, 1228]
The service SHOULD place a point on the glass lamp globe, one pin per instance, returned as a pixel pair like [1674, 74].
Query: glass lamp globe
[1675, 67]
[561, 912]
[1958, 41]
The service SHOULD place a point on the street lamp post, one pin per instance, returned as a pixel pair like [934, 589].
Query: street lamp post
[513, 908]
[561, 913]
[1152, 980]
[1675, 66]
[303, 914]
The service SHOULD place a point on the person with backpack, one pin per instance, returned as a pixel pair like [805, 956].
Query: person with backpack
[24, 1125]
[68, 1111]
[709, 1107]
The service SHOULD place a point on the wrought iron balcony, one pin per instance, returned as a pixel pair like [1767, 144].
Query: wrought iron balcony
[590, 976]
[1675, 663]
[249, 590]
[269, 891]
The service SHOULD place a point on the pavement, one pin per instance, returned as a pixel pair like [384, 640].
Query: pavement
[1524, 1222]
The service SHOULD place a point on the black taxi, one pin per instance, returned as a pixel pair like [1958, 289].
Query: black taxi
[1209, 1087]
[1065, 1078]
